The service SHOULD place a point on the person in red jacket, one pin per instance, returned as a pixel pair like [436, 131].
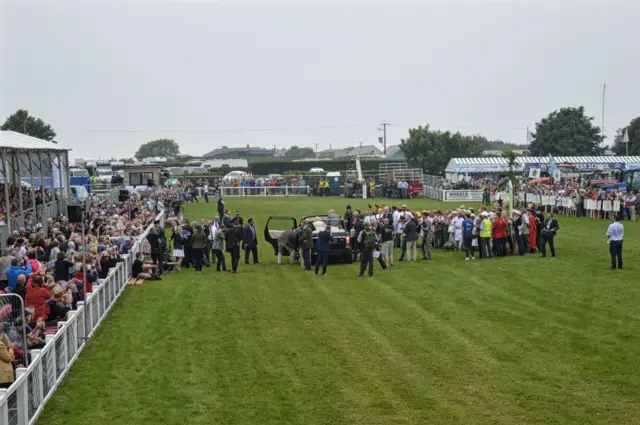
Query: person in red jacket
[499, 234]
[31, 259]
[37, 297]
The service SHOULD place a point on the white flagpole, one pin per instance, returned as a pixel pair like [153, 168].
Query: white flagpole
[625, 139]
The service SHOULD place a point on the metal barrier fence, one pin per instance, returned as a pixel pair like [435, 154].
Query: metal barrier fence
[265, 191]
[107, 191]
[12, 319]
[4, 235]
[25, 399]
[433, 181]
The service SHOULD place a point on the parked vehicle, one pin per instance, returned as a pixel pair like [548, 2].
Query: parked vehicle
[80, 177]
[339, 249]
[231, 176]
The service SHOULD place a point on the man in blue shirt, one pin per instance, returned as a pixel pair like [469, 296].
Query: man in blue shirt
[615, 233]
[467, 236]
[14, 271]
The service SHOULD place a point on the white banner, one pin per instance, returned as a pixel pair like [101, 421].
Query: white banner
[534, 173]
[462, 195]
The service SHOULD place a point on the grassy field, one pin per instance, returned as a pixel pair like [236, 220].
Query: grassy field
[518, 340]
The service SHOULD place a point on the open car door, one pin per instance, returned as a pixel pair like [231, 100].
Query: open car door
[276, 225]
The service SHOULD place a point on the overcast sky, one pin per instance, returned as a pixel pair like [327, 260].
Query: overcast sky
[111, 75]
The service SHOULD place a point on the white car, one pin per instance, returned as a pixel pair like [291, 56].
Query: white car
[231, 176]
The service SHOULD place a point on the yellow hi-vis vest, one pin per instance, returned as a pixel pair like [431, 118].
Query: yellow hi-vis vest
[486, 231]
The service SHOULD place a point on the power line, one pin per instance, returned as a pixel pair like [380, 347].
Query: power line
[238, 130]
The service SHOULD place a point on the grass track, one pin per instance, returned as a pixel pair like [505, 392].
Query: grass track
[509, 341]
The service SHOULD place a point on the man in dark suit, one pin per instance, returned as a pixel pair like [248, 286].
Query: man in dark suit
[368, 240]
[220, 206]
[250, 242]
[226, 220]
[322, 245]
[548, 232]
[234, 239]
[306, 242]
[238, 218]
[358, 227]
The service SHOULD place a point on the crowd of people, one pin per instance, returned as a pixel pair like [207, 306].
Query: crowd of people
[53, 267]
[13, 204]
[553, 196]
[578, 194]
[489, 233]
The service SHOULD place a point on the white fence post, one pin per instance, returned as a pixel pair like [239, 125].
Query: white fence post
[4, 406]
[61, 325]
[39, 378]
[22, 395]
[88, 315]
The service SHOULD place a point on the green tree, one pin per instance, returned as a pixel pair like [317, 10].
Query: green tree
[165, 148]
[431, 150]
[21, 122]
[567, 132]
[296, 152]
[633, 130]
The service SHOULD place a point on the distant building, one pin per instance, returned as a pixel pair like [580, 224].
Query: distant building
[154, 160]
[394, 153]
[247, 153]
[224, 163]
[333, 153]
[497, 152]
[351, 152]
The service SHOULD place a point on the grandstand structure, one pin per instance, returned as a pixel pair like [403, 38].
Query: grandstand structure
[34, 175]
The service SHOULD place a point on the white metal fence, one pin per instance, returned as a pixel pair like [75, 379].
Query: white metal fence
[265, 191]
[23, 402]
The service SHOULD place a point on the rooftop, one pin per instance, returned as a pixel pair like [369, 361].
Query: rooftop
[17, 141]
[247, 150]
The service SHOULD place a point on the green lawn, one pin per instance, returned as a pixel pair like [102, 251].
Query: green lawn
[518, 340]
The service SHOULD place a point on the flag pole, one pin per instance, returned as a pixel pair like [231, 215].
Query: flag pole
[625, 139]
[604, 92]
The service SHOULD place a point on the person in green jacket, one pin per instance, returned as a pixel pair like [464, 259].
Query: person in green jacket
[199, 242]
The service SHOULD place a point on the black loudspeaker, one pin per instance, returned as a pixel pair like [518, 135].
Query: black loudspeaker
[124, 195]
[74, 213]
[150, 183]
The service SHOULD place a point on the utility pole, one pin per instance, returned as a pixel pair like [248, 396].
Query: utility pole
[316, 148]
[384, 136]
[604, 92]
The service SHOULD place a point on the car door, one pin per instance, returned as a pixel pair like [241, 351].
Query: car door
[276, 225]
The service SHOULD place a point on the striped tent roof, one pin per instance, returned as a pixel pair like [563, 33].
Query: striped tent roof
[522, 160]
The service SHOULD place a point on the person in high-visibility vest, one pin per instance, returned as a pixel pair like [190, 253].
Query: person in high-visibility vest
[485, 235]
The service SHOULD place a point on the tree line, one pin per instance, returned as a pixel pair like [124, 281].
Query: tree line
[564, 132]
